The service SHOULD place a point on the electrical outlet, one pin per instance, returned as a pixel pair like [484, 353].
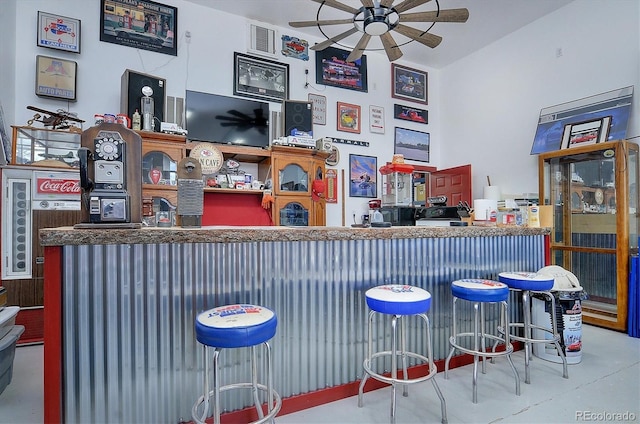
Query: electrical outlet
[187, 36]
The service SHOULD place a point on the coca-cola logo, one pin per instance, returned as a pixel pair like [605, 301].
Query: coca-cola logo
[58, 186]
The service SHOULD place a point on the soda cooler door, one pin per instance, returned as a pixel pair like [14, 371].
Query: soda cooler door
[16, 223]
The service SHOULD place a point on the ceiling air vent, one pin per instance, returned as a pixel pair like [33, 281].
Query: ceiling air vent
[262, 40]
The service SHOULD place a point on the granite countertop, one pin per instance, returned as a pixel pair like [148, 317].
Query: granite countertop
[227, 234]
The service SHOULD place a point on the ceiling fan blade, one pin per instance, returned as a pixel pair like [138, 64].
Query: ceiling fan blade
[330, 41]
[429, 40]
[409, 4]
[357, 51]
[337, 5]
[386, 3]
[390, 47]
[450, 15]
[302, 24]
[367, 3]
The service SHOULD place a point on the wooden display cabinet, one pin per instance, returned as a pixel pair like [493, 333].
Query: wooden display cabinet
[593, 191]
[294, 170]
[160, 156]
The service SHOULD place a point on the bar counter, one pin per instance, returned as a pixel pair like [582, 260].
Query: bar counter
[120, 306]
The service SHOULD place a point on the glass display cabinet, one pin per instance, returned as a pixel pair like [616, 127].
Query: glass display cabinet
[294, 170]
[593, 191]
[45, 147]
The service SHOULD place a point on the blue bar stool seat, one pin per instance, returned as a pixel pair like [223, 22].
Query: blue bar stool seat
[528, 284]
[480, 293]
[400, 302]
[230, 327]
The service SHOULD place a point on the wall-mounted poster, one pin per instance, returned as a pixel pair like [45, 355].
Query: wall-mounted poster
[376, 119]
[141, 24]
[56, 78]
[58, 32]
[348, 117]
[295, 47]
[408, 84]
[362, 176]
[260, 78]
[333, 69]
[412, 114]
[319, 111]
[412, 144]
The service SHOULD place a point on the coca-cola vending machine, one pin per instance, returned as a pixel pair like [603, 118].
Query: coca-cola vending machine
[33, 199]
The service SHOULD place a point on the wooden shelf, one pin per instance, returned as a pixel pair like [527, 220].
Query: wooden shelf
[239, 153]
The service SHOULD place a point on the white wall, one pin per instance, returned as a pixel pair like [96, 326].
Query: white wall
[482, 109]
[491, 99]
[204, 64]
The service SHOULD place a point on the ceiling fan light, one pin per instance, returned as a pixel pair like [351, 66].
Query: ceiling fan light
[376, 28]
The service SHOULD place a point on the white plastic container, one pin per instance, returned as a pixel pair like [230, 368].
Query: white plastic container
[8, 319]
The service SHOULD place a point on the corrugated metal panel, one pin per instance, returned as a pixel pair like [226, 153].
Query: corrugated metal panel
[130, 353]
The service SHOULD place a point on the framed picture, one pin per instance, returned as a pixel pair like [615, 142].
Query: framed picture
[408, 84]
[333, 69]
[260, 78]
[348, 117]
[586, 133]
[319, 112]
[56, 78]
[412, 144]
[376, 119]
[58, 32]
[141, 24]
[412, 114]
[363, 171]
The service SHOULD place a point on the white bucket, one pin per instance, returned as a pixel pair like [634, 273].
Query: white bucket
[569, 320]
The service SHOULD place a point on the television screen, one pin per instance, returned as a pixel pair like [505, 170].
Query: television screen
[228, 120]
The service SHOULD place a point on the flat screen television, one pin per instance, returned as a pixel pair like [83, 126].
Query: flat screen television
[229, 120]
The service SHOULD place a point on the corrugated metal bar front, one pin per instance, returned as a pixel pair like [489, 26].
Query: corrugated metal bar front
[130, 353]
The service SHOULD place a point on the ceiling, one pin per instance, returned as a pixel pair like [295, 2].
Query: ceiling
[489, 20]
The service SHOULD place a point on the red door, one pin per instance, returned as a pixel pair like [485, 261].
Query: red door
[455, 183]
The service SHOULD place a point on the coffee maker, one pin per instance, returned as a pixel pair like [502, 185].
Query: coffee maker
[110, 177]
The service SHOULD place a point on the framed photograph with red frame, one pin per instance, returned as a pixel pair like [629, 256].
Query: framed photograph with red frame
[349, 117]
[408, 84]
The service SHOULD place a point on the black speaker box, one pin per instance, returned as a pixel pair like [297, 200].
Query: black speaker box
[297, 116]
[131, 94]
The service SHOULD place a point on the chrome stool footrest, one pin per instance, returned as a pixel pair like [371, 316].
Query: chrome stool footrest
[275, 402]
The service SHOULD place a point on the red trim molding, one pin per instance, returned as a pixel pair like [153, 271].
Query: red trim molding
[53, 335]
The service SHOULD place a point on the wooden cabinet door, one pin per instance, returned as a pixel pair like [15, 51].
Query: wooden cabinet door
[293, 211]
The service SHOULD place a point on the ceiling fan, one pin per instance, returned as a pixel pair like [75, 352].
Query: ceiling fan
[379, 18]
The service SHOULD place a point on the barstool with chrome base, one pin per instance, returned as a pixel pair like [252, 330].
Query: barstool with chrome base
[481, 293]
[236, 326]
[400, 302]
[537, 284]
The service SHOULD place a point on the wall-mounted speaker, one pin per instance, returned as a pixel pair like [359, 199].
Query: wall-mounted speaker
[131, 93]
[175, 111]
[297, 117]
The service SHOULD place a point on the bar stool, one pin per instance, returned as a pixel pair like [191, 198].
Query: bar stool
[401, 302]
[481, 292]
[527, 284]
[229, 327]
